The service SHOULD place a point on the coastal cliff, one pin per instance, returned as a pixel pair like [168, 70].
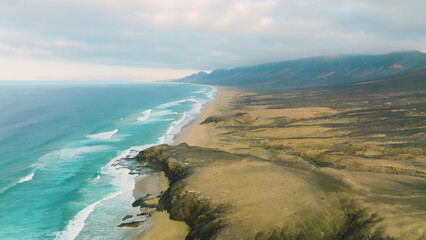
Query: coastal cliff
[343, 162]
[234, 196]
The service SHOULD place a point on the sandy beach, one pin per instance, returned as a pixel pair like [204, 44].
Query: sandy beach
[159, 225]
[196, 134]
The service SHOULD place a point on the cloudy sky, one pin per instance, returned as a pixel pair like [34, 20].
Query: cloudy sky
[163, 39]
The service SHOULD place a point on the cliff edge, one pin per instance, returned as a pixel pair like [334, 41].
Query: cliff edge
[222, 195]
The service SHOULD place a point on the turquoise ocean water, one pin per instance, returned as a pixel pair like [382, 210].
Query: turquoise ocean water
[63, 173]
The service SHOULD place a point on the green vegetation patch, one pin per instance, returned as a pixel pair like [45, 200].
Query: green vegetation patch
[214, 119]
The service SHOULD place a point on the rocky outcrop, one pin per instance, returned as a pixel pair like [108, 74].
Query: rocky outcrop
[332, 217]
[203, 218]
[126, 217]
[157, 159]
[133, 224]
[141, 202]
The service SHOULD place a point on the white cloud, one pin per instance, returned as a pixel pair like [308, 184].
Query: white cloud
[18, 68]
[10, 50]
[206, 34]
[6, 48]
[60, 43]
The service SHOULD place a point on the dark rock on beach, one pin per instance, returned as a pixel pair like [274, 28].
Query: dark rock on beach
[133, 224]
[126, 217]
[141, 201]
[148, 214]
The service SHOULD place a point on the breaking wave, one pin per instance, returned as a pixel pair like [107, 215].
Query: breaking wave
[103, 135]
[26, 178]
[145, 115]
[75, 226]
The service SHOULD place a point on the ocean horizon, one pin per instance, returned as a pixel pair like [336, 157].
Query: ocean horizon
[67, 149]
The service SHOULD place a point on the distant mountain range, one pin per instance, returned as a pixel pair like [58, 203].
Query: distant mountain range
[315, 71]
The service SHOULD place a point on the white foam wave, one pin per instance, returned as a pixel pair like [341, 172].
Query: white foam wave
[212, 94]
[6, 188]
[180, 120]
[162, 139]
[174, 103]
[145, 115]
[103, 135]
[75, 226]
[164, 113]
[169, 130]
[167, 120]
[67, 155]
[176, 126]
[209, 92]
[121, 179]
[173, 129]
[26, 178]
[155, 116]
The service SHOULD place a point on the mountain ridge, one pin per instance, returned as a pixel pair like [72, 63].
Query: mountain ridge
[314, 71]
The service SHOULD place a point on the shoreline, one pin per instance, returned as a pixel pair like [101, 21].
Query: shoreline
[287, 164]
[160, 226]
[159, 222]
[195, 134]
